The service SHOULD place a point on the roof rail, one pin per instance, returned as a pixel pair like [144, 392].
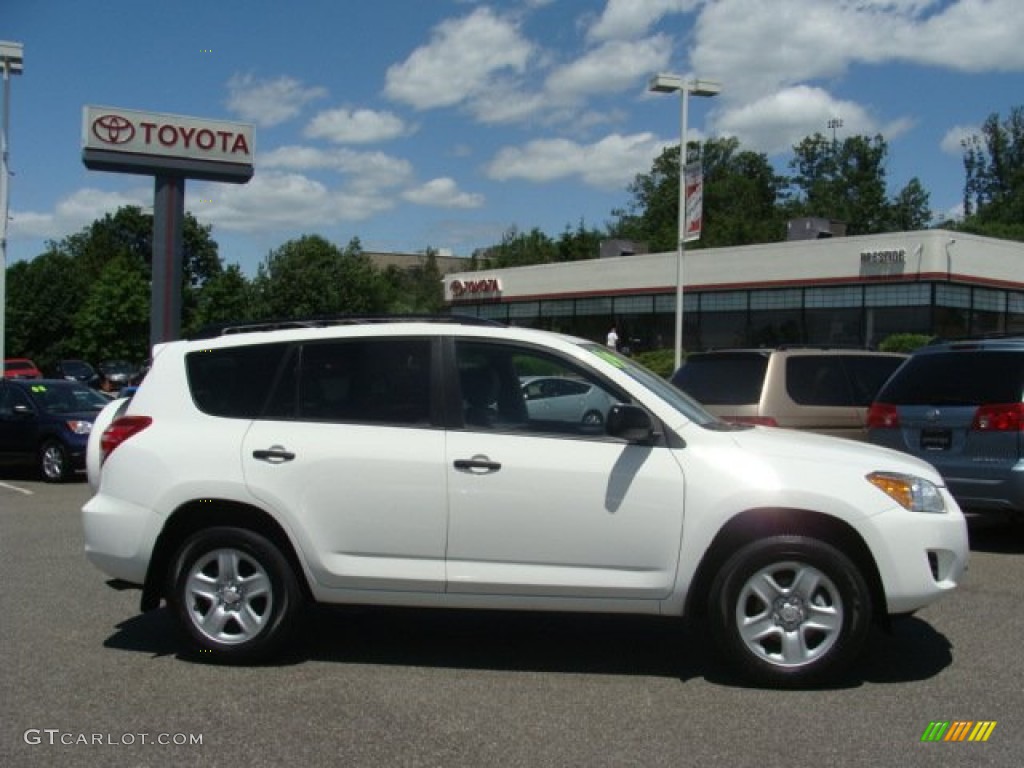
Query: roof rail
[994, 336]
[229, 328]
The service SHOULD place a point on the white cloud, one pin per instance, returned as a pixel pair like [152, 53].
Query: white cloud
[358, 126]
[369, 170]
[609, 163]
[460, 61]
[775, 123]
[614, 66]
[443, 193]
[754, 46]
[275, 200]
[74, 212]
[627, 19]
[269, 102]
[952, 142]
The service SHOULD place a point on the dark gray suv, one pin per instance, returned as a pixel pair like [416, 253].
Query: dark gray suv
[960, 406]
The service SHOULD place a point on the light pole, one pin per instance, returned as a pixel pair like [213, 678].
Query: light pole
[665, 83]
[11, 64]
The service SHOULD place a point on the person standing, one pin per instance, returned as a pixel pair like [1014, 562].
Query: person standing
[613, 339]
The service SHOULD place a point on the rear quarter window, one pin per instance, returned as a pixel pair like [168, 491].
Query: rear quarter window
[233, 382]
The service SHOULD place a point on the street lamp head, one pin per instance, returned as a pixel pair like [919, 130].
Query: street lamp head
[704, 87]
[665, 83]
[11, 56]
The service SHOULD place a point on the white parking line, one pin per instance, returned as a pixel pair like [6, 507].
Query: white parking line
[25, 491]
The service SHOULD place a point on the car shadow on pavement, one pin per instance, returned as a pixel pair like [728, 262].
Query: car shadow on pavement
[539, 642]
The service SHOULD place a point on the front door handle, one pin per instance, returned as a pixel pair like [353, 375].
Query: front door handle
[275, 454]
[478, 462]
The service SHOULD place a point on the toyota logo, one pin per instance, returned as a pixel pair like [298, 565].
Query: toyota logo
[113, 129]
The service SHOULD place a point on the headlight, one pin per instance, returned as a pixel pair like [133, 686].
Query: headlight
[913, 493]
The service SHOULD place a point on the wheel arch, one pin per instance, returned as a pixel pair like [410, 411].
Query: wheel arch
[200, 514]
[755, 524]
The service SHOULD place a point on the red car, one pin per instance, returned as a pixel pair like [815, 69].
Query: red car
[21, 368]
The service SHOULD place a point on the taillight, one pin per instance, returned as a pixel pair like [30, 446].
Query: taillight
[761, 421]
[119, 431]
[883, 416]
[1008, 417]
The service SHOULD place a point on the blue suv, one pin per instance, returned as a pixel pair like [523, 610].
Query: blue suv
[960, 406]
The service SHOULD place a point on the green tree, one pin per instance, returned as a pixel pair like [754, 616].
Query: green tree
[579, 244]
[225, 297]
[740, 206]
[310, 276]
[909, 210]
[842, 180]
[994, 184]
[518, 249]
[42, 297]
[113, 321]
[415, 289]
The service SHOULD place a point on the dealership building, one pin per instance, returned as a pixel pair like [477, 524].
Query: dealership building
[849, 291]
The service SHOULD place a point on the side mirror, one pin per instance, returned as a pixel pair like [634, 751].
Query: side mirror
[631, 423]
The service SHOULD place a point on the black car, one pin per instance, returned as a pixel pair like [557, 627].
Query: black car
[46, 423]
[116, 374]
[76, 370]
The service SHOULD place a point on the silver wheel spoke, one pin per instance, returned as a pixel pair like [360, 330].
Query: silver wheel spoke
[256, 585]
[202, 585]
[794, 650]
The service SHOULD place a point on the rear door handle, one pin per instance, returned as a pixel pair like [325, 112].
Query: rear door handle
[478, 462]
[275, 454]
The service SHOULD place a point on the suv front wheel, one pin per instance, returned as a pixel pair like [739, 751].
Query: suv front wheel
[790, 610]
[234, 594]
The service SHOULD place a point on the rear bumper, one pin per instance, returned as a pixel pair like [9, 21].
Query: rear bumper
[119, 537]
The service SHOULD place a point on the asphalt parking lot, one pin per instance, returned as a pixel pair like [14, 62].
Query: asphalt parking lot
[89, 681]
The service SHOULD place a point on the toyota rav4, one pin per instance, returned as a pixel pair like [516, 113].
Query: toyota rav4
[401, 463]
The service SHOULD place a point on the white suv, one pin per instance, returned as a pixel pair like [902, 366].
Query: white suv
[398, 463]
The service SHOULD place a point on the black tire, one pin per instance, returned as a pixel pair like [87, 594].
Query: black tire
[54, 463]
[234, 594]
[593, 418]
[790, 611]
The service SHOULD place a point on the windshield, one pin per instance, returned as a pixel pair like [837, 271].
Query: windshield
[647, 378]
[66, 397]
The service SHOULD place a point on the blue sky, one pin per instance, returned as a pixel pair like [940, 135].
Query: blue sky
[443, 123]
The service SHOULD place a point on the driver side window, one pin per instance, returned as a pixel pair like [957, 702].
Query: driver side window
[508, 387]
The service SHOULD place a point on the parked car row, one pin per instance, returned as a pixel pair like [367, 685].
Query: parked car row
[959, 405]
[108, 375]
[46, 423]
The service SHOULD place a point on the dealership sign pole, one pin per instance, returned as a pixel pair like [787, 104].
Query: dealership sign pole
[170, 148]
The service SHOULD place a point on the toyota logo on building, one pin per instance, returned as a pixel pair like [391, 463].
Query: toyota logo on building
[113, 129]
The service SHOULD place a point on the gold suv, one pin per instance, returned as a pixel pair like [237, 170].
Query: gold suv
[824, 390]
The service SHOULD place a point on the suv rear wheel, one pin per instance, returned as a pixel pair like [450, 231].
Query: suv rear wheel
[790, 610]
[234, 594]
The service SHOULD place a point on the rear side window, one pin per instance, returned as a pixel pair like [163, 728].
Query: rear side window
[233, 382]
[957, 378]
[369, 381]
[723, 379]
[817, 380]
